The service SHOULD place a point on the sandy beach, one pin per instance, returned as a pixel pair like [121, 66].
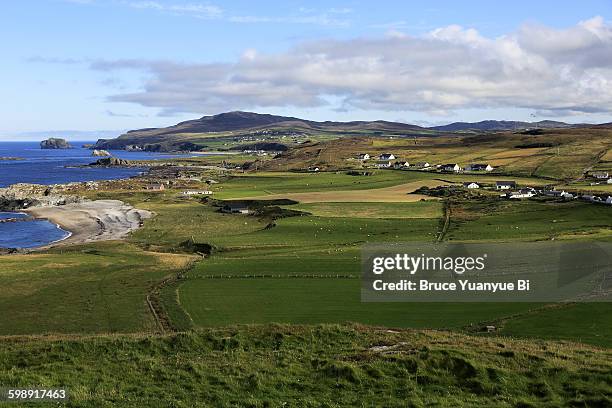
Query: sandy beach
[92, 220]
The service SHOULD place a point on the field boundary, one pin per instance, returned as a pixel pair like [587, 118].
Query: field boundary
[153, 298]
[447, 215]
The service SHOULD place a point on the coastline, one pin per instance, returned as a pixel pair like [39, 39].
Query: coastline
[91, 221]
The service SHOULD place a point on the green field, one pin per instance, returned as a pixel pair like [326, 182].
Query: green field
[97, 288]
[297, 259]
[214, 302]
[421, 209]
[584, 322]
[529, 220]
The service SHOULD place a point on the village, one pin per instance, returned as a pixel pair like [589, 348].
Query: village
[510, 189]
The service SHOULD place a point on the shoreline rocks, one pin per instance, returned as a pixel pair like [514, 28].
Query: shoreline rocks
[111, 162]
[22, 195]
[100, 153]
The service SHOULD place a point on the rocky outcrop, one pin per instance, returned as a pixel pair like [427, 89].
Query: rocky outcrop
[100, 153]
[55, 143]
[20, 196]
[111, 162]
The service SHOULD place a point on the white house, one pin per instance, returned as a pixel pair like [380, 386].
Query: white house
[451, 167]
[471, 184]
[505, 185]
[567, 196]
[479, 167]
[609, 181]
[363, 156]
[600, 175]
[401, 164]
[523, 193]
[422, 165]
[313, 169]
[386, 156]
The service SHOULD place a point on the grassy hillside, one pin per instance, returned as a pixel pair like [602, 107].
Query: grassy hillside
[263, 366]
[555, 154]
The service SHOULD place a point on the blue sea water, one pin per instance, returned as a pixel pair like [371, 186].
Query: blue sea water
[28, 234]
[41, 166]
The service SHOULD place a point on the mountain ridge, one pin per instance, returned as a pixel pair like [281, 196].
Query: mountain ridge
[187, 135]
[490, 125]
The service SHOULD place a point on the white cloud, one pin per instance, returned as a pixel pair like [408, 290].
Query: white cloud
[196, 9]
[323, 19]
[547, 70]
[329, 17]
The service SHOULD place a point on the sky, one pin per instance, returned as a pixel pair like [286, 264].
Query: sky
[105, 66]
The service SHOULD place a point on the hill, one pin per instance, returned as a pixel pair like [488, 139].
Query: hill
[495, 125]
[193, 134]
[307, 366]
[233, 130]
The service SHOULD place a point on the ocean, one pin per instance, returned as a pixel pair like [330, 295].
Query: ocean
[28, 234]
[41, 166]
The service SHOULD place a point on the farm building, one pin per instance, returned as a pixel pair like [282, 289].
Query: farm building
[592, 198]
[422, 165]
[451, 167]
[523, 193]
[384, 165]
[236, 207]
[600, 175]
[363, 156]
[505, 185]
[479, 167]
[313, 169]
[155, 186]
[557, 193]
[386, 156]
[197, 192]
[471, 184]
[401, 164]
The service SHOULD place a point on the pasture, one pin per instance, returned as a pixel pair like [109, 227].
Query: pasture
[529, 220]
[420, 209]
[215, 302]
[112, 279]
[96, 288]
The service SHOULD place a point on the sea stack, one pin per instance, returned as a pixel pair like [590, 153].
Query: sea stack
[55, 143]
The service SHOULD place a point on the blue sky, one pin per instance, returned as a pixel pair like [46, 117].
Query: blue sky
[123, 64]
